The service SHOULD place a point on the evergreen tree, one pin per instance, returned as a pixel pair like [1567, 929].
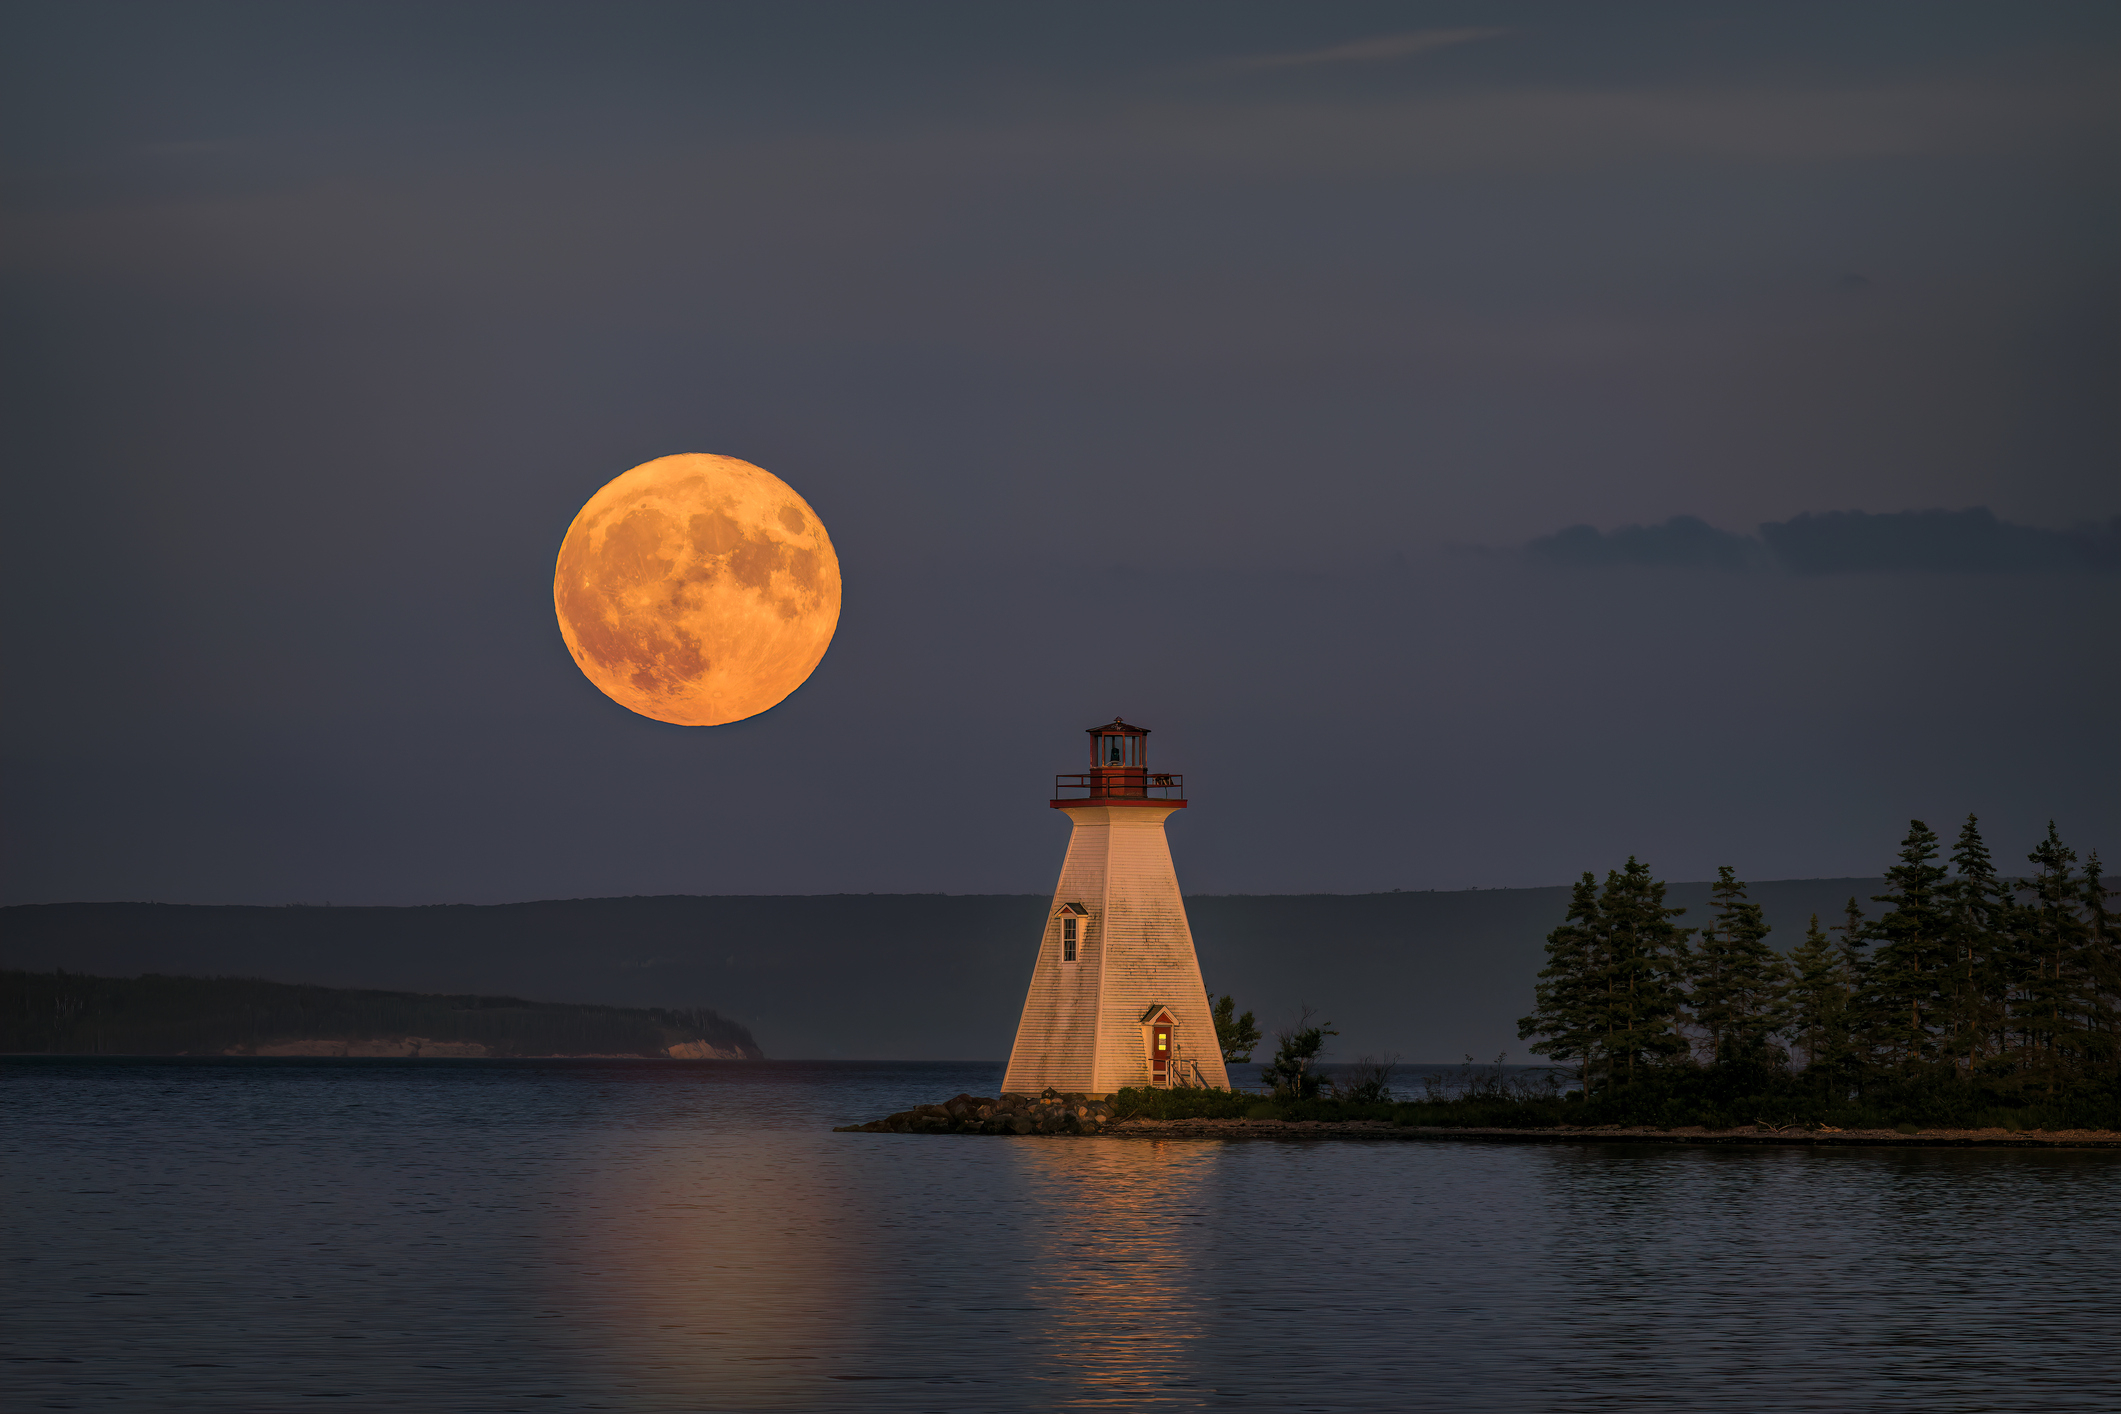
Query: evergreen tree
[1740, 984]
[1567, 1004]
[1235, 1035]
[2103, 967]
[1976, 988]
[1858, 1036]
[2012, 983]
[1855, 932]
[1902, 996]
[1820, 988]
[2055, 994]
[1646, 962]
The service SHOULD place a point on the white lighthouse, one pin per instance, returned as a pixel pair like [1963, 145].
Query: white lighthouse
[1116, 998]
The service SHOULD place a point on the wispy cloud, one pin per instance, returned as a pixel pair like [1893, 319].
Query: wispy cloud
[1380, 49]
[1972, 541]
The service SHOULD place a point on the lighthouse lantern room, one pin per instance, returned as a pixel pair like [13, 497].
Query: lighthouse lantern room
[1116, 997]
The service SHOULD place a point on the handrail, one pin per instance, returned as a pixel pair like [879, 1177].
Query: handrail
[1176, 1066]
[1123, 785]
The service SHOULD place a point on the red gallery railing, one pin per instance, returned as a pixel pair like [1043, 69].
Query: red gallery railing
[1124, 783]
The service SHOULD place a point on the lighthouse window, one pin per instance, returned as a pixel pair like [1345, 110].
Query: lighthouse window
[1067, 940]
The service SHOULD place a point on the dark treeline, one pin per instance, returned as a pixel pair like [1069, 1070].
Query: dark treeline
[70, 1014]
[1971, 997]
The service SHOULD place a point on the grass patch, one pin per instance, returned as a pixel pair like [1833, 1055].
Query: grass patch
[1729, 1096]
[1147, 1103]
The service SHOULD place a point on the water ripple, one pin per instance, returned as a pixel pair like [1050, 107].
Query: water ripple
[444, 1236]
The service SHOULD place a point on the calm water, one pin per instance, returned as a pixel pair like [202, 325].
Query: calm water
[553, 1236]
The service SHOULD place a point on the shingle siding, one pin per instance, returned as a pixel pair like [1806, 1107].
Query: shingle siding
[1081, 1028]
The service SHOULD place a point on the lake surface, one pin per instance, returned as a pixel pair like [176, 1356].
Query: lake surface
[655, 1236]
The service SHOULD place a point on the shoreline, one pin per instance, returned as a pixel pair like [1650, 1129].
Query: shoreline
[1086, 1116]
[444, 1051]
[1377, 1130]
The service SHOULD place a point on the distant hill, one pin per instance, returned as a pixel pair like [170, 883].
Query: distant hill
[71, 1014]
[1431, 976]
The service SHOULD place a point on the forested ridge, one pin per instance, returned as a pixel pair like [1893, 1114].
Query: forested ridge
[1434, 975]
[68, 1013]
[1967, 996]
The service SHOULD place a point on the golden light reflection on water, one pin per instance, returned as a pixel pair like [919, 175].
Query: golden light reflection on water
[1116, 1281]
[729, 1270]
[789, 1275]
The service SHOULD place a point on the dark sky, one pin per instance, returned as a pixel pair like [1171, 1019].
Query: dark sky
[1208, 364]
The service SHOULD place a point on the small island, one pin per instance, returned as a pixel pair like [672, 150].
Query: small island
[1975, 1008]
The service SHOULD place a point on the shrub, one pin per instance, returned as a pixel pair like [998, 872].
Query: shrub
[1290, 1072]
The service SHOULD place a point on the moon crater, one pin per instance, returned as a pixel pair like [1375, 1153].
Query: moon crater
[697, 589]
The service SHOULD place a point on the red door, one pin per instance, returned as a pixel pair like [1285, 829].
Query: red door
[1160, 1052]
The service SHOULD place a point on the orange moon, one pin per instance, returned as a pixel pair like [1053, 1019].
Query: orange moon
[697, 589]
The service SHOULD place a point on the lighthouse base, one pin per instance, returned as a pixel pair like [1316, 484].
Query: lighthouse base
[1115, 997]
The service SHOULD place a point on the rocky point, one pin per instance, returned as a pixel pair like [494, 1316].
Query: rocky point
[1050, 1112]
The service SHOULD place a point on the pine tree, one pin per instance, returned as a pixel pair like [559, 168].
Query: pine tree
[1740, 984]
[1860, 1041]
[1646, 963]
[2055, 996]
[1609, 997]
[1819, 993]
[1990, 975]
[1567, 1009]
[1235, 1035]
[1903, 998]
[1976, 988]
[1855, 931]
[2103, 968]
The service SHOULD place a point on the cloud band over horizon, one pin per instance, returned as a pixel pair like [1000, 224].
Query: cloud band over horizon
[1969, 541]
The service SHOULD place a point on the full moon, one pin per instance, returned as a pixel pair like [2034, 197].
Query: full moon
[697, 589]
